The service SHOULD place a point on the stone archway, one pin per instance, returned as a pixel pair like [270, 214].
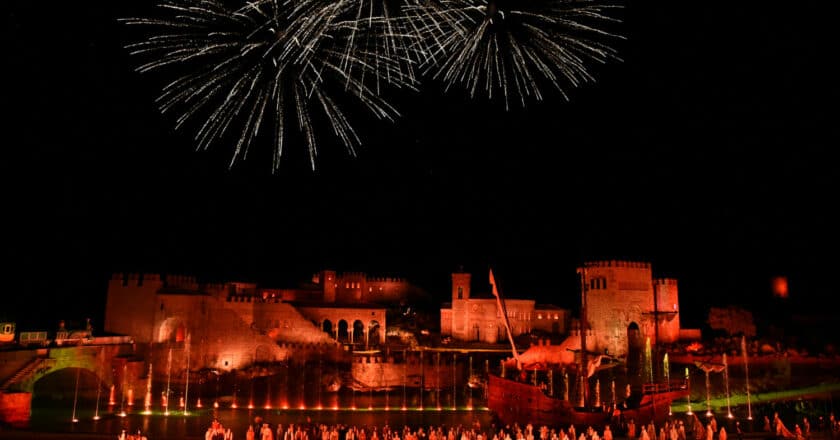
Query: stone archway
[635, 350]
[343, 332]
[358, 335]
[634, 336]
[57, 389]
[374, 333]
[172, 329]
[327, 327]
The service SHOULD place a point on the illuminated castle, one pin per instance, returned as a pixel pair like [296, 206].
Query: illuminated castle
[236, 324]
[625, 305]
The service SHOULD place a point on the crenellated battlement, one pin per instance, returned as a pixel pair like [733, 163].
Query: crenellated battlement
[618, 263]
[374, 279]
[238, 298]
[139, 278]
[135, 279]
[665, 281]
[217, 287]
[181, 282]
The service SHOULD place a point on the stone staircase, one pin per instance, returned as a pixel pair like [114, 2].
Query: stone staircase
[301, 330]
[33, 367]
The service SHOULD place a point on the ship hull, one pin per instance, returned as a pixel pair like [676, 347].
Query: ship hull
[654, 407]
[523, 403]
[518, 402]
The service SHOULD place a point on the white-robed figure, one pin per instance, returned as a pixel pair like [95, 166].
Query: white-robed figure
[643, 434]
[265, 432]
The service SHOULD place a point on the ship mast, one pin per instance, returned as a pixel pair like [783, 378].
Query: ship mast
[503, 311]
[656, 313]
[582, 371]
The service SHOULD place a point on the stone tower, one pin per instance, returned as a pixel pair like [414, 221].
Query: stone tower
[460, 286]
[328, 283]
[619, 303]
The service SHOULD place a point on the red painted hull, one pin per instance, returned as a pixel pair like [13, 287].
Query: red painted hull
[654, 407]
[518, 402]
[523, 403]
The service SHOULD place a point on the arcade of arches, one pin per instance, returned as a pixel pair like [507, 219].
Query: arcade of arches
[350, 325]
[360, 333]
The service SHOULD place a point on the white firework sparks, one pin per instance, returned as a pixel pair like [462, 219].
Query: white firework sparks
[511, 47]
[275, 62]
[271, 62]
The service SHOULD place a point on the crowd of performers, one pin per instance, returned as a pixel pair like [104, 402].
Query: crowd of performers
[802, 430]
[691, 428]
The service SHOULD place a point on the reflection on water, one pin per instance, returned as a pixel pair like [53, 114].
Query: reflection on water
[282, 394]
[177, 426]
[55, 418]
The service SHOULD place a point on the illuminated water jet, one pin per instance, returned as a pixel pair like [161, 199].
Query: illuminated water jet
[746, 373]
[726, 382]
[76, 396]
[187, 384]
[98, 395]
[147, 399]
[688, 395]
[165, 396]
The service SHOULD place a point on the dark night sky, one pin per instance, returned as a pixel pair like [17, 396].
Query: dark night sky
[706, 151]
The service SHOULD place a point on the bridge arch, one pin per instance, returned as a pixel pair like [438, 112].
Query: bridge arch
[50, 373]
[58, 388]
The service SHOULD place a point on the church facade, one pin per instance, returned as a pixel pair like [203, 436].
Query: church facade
[476, 317]
[625, 305]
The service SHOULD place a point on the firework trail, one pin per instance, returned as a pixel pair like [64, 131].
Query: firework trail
[511, 47]
[272, 62]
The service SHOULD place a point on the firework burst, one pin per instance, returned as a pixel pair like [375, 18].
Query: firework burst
[272, 62]
[512, 47]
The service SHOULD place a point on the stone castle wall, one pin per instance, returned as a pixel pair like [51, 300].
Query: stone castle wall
[130, 304]
[378, 373]
[281, 321]
[733, 320]
[668, 301]
[15, 408]
[620, 295]
[227, 331]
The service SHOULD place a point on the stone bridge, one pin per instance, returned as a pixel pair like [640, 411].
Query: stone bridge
[21, 369]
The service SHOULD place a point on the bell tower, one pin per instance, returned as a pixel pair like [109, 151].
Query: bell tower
[460, 286]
